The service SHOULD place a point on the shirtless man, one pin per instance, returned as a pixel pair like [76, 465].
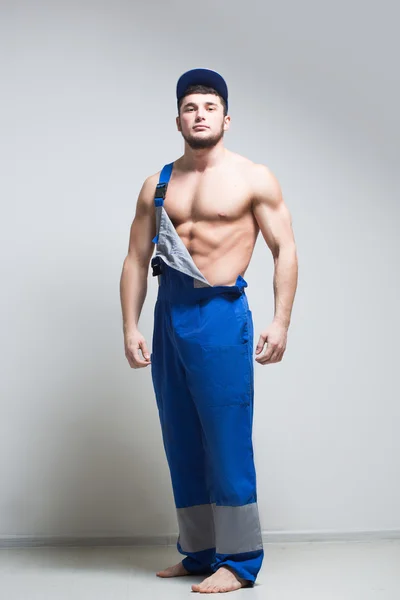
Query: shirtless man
[205, 228]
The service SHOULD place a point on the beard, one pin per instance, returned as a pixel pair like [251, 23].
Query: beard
[209, 141]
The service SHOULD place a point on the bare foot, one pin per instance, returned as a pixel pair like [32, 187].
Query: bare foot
[223, 580]
[175, 571]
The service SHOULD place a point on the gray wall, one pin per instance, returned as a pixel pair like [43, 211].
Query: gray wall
[89, 112]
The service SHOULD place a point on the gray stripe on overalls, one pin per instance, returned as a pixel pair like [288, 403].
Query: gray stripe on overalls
[236, 526]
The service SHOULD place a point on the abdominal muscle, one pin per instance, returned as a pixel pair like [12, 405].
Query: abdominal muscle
[221, 251]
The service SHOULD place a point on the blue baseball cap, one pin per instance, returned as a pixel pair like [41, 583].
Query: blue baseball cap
[202, 77]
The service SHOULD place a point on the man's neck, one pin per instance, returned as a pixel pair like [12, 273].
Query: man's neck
[204, 158]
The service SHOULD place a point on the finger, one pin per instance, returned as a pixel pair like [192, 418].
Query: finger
[280, 355]
[260, 345]
[276, 355]
[266, 358]
[136, 357]
[262, 353]
[271, 359]
[145, 352]
[261, 359]
[129, 358]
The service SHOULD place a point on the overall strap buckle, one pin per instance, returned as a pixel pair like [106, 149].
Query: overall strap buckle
[156, 264]
[161, 190]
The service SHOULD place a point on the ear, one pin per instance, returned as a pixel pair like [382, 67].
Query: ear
[178, 123]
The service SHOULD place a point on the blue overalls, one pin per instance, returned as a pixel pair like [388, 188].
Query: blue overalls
[202, 372]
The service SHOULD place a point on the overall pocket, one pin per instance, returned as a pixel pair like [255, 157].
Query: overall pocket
[243, 318]
[224, 375]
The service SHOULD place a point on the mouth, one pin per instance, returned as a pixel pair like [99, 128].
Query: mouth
[201, 127]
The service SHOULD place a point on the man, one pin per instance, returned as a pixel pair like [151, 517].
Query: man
[205, 228]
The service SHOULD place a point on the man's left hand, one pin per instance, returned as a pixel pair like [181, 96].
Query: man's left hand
[275, 336]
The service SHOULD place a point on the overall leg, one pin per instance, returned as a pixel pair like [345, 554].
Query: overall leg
[184, 447]
[220, 377]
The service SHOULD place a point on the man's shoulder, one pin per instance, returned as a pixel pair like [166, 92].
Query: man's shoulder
[257, 175]
[145, 199]
[249, 166]
[153, 179]
[149, 186]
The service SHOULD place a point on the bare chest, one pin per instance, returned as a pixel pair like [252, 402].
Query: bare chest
[210, 199]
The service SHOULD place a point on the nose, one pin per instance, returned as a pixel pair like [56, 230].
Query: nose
[200, 114]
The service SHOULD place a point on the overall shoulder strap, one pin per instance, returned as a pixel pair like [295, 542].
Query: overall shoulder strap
[161, 188]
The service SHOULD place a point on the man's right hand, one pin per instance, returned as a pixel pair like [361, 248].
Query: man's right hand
[134, 342]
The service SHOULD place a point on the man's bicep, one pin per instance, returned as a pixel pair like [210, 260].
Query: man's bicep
[271, 212]
[143, 228]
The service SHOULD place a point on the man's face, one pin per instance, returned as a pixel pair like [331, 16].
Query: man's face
[201, 120]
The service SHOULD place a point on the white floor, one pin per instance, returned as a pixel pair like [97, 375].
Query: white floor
[323, 571]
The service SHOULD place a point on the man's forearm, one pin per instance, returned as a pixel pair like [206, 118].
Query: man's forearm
[133, 290]
[285, 284]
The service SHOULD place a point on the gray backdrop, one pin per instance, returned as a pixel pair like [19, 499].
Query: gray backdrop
[88, 96]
